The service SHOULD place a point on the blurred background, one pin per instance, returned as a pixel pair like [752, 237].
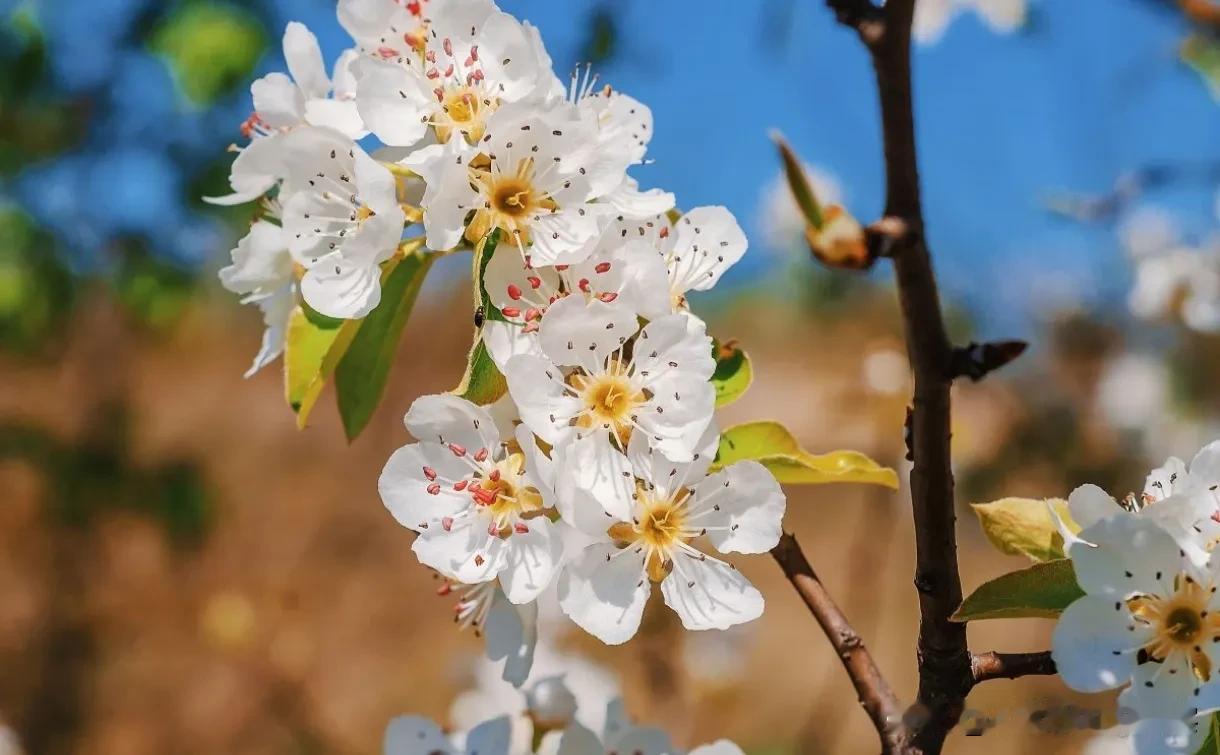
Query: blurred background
[181, 570]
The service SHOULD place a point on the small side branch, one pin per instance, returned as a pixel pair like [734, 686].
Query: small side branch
[873, 691]
[862, 15]
[994, 665]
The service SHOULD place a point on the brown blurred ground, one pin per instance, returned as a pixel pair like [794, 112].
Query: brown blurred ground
[302, 623]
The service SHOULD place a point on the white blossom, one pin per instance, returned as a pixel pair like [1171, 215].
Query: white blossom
[478, 504]
[648, 536]
[262, 273]
[1148, 619]
[532, 178]
[932, 17]
[471, 59]
[629, 274]
[620, 736]
[587, 395]
[343, 220]
[415, 735]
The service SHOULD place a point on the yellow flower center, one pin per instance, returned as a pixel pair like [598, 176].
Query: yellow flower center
[509, 199]
[610, 400]
[660, 528]
[463, 109]
[506, 495]
[1181, 623]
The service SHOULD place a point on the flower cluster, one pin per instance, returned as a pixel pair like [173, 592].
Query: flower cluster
[546, 721]
[1149, 621]
[593, 476]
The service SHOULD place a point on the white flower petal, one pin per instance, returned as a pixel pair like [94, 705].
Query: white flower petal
[651, 465]
[463, 552]
[339, 287]
[677, 415]
[255, 170]
[511, 633]
[708, 242]
[393, 102]
[304, 59]
[1164, 736]
[278, 102]
[277, 310]
[1132, 555]
[341, 115]
[1093, 646]
[261, 262]
[675, 343]
[533, 560]
[631, 203]
[745, 508]
[443, 418]
[710, 594]
[505, 340]
[719, 747]
[604, 592]
[1161, 690]
[576, 332]
[415, 735]
[1090, 504]
[594, 466]
[408, 474]
[490, 738]
[538, 389]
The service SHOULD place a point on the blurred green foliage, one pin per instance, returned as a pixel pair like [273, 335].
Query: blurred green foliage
[95, 475]
[153, 293]
[211, 48]
[36, 291]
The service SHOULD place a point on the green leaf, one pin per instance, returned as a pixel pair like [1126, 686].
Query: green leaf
[313, 346]
[1211, 745]
[733, 373]
[1024, 526]
[482, 256]
[361, 375]
[798, 183]
[1038, 591]
[482, 383]
[771, 444]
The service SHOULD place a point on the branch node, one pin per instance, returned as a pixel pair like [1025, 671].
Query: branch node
[976, 360]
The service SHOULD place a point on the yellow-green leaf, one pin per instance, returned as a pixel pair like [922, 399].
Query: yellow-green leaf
[733, 374]
[1024, 526]
[1211, 745]
[482, 383]
[361, 375]
[798, 183]
[313, 346]
[771, 444]
[1038, 591]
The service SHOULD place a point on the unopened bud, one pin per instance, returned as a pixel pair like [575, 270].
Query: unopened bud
[550, 703]
[840, 242]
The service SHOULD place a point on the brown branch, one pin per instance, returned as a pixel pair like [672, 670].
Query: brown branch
[944, 661]
[874, 693]
[994, 665]
[945, 675]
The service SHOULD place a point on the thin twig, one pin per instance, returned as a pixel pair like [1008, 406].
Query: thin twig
[994, 665]
[874, 693]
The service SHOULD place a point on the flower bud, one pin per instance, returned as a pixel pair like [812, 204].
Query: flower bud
[840, 241]
[550, 703]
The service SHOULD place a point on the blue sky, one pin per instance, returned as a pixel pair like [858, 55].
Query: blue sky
[1091, 89]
